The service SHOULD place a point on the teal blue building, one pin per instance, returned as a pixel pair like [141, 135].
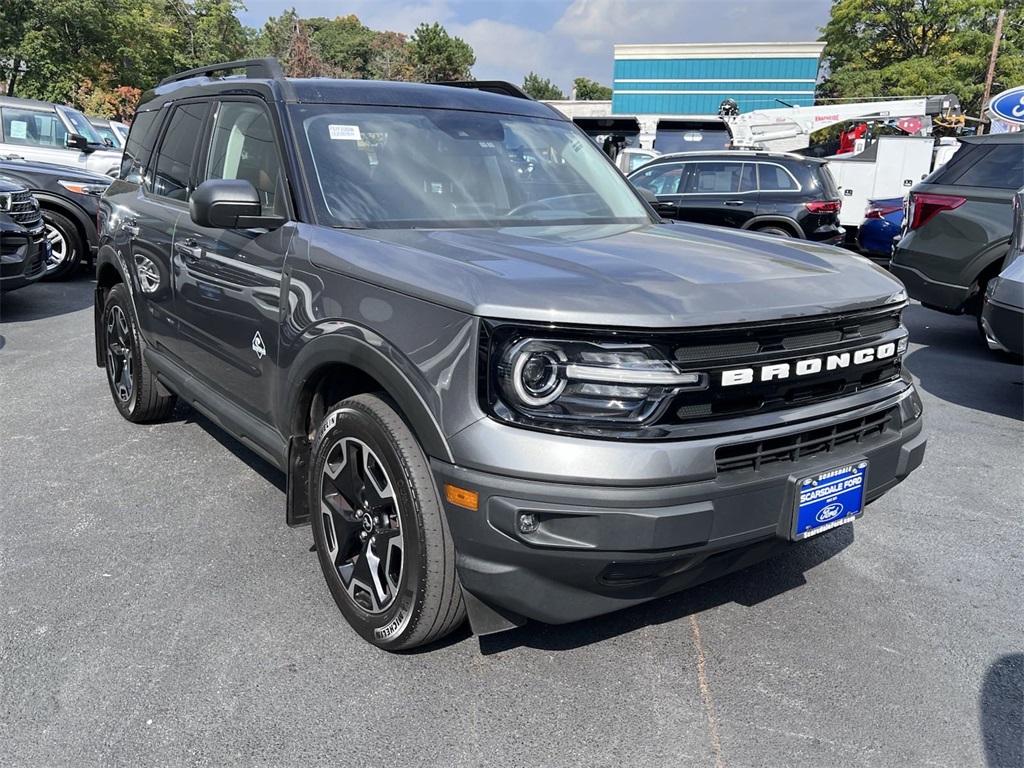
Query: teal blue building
[694, 79]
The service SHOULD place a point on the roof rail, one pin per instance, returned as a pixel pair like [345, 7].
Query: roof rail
[490, 86]
[268, 68]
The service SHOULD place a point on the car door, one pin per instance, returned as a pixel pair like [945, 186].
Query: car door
[150, 200]
[719, 192]
[228, 281]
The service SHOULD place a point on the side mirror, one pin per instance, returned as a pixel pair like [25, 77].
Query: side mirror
[647, 195]
[75, 141]
[229, 204]
[107, 141]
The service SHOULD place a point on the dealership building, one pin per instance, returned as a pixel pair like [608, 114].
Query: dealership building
[665, 81]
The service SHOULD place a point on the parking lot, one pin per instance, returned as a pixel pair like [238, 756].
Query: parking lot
[158, 611]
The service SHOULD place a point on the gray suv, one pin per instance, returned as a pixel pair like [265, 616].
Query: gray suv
[498, 390]
[52, 133]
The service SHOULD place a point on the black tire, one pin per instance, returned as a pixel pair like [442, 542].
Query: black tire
[132, 386]
[780, 231]
[66, 243]
[370, 483]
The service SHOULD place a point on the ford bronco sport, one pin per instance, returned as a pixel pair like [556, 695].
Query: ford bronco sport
[503, 391]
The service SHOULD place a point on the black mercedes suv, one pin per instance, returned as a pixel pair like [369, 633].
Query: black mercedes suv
[496, 391]
[771, 192]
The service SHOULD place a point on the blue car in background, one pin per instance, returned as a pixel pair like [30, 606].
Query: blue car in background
[882, 222]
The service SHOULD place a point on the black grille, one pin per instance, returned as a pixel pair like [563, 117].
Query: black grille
[753, 455]
[25, 210]
[818, 358]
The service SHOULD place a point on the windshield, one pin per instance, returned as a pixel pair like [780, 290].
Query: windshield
[79, 124]
[405, 168]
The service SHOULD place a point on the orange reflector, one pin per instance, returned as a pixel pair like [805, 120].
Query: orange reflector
[460, 497]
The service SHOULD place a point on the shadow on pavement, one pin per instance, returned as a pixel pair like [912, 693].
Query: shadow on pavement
[41, 299]
[980, 380]
[1001, 706]
[748, 587]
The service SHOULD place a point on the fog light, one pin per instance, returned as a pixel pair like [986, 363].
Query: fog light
[528, 523]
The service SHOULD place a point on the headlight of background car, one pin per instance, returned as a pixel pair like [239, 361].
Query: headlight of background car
[590, 381]
[80, 188]
[5, 201]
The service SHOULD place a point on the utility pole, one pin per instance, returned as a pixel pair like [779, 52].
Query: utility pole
[992, 66]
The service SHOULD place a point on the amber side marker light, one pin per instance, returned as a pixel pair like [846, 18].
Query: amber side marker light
[460, 497]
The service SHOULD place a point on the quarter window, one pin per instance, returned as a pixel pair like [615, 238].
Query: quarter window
[1001, 168]
[174, 160]
[775, 178]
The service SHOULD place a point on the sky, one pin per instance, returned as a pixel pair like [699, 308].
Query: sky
[564, 39]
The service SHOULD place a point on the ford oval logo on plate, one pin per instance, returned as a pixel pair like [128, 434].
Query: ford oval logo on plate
[1008, 106]
[830, 512]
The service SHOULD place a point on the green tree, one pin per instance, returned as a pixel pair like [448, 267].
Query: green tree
[435, 55]
[343, 43]
[390, 57]
[14, 19]
[589, 90]
[880, 48]
[541, 88]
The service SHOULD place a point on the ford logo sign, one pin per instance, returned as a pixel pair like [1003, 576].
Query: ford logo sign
[831, 512]
[1008, 106]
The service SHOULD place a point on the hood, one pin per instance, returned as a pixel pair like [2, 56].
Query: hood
[647, 276]
[28, 167]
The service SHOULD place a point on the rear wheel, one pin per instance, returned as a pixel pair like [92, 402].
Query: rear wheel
[380, 532]
[780, 231]
[132, 386]
[66, 245]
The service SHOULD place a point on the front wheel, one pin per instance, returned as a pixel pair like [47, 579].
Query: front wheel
[132, 386]
[380, 532]
[66, 246]
[775, 231]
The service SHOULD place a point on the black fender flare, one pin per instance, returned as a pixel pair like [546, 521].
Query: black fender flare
[361, 348]
[769, 219]
[108, 262]
[49, 202]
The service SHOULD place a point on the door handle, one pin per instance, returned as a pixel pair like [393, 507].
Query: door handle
[189, 249]
[734, 202]
[131, 226]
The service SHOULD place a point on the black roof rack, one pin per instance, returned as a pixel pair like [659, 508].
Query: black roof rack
[490, 86]
[268, 68]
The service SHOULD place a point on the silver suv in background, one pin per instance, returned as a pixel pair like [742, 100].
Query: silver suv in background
[52, 133]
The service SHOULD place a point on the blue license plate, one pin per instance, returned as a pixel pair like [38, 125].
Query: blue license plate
[829, 499]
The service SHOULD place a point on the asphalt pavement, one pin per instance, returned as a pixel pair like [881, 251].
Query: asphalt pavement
[157, 611]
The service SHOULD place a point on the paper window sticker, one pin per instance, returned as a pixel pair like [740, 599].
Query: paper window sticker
[19, 129]
[344, 132]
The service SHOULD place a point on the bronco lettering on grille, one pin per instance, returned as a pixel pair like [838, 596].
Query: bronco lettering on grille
[808, 366]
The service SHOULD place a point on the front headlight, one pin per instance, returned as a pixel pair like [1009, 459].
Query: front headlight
[577, 380]
[6, 199]
[80, 188]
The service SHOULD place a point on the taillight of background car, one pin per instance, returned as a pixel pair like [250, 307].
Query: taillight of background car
[824, 206]
[880, 211]
[921, 207]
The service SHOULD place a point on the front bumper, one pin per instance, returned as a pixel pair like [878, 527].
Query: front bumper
[22, 260]
[599, 548]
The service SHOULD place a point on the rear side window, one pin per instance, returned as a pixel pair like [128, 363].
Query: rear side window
[721, 178]
[141, 138]
[964, 158]
[172, 174]
[1002, 168]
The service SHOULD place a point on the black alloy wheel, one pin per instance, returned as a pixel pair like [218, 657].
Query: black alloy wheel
[135, 391]
[380, 532]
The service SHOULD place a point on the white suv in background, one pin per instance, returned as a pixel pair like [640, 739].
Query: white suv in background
[51, 133]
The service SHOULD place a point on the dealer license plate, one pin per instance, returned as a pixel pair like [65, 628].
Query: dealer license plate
[829, 499]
